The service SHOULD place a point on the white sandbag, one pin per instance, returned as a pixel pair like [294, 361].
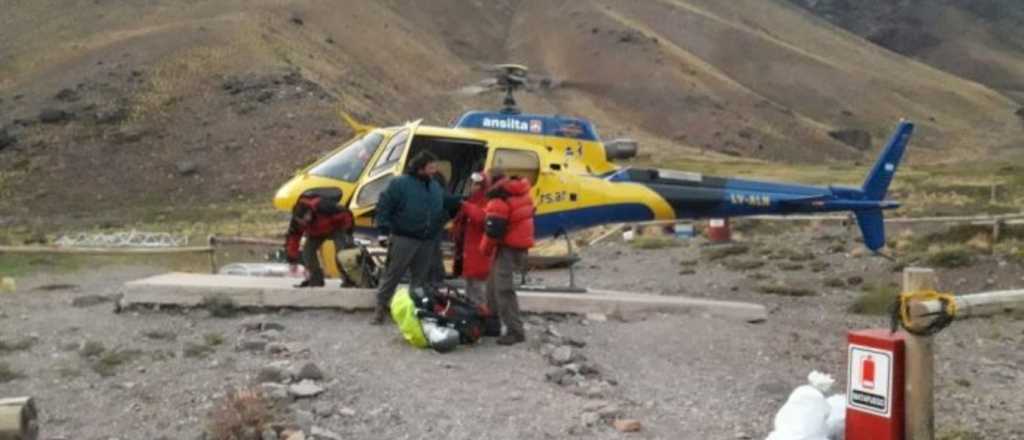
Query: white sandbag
[836, 423]
[805, 412]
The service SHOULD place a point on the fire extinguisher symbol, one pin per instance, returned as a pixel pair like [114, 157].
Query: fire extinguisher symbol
[867, 373]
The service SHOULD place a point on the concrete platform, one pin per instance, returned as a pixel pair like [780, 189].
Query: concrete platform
[189, 290]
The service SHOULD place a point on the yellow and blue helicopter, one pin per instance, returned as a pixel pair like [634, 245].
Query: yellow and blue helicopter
[576, 184]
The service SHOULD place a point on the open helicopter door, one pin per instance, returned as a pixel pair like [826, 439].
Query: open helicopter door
[388, 164]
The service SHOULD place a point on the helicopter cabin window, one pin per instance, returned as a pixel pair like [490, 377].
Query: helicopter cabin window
[392, 153]
[371, 191]
[457, 159]
[520, 163]
[348, 164]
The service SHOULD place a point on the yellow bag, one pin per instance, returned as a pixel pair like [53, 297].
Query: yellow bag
[403, 311]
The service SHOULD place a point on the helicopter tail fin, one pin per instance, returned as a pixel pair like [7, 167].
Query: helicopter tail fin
[356, 126]
[877, 183]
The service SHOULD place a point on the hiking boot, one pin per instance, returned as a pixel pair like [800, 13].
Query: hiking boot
[310, 283]
[380, 313]
[511, 339]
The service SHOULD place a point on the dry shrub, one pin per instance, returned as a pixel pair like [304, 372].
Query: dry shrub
[241, 415]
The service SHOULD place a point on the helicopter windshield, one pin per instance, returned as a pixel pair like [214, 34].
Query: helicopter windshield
[348, 164]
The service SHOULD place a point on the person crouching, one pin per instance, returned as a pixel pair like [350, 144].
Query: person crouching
[318, 217]
[508, 236]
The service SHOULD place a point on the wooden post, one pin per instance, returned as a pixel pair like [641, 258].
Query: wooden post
[18, 419]
[997, 225]
[995, 187]
[212, 243]
[920, 379]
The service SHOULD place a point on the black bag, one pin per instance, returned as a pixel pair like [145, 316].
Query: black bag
[471, 320]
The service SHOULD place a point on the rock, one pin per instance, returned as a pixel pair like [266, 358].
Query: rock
[265, 96]
[610, 411]
[54, 116]
[304, 389]
[306, 371]
[597, 317]
[128, 135]
[296, 20]
[277, 348]
[857, 138]
[990, 282]
[589, 369]
[855, 280]
[555, 375]
[590, 418]
[186, 168]
[320, 433]
[578, 343]
[272, 374]
[271, 335]
[268, 434]
[7, 139]
[627, 425]
[569, 379]
[67, 95]
[347, 412]
[89, 300]
[111, 116]
[275, 391]
[323, 409]
[252, 345]
[562, 355]
[329, 40]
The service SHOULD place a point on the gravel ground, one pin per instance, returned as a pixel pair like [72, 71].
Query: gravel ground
[682, 377]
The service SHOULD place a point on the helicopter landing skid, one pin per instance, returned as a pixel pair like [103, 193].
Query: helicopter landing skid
[571, 288]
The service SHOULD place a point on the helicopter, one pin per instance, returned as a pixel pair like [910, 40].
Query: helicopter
[576, 183]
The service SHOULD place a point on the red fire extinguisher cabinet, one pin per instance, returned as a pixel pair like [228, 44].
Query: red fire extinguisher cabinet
[875, 403]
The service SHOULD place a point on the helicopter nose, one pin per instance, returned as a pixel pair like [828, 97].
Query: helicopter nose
[288, 194]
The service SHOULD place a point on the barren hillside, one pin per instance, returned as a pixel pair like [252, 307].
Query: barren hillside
[106, 106]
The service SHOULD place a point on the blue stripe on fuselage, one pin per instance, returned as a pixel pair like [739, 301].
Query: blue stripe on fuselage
[548, 225]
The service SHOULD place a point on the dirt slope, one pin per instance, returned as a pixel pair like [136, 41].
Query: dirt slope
[980, 40]
[180, 104]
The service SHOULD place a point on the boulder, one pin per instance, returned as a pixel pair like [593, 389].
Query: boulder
[306, 371]
[186, 168]
[54, 116]
[7, 139]
[562, 355]
[305, 389]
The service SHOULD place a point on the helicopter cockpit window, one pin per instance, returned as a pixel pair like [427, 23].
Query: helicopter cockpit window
[518, 163]
[348, 164]
[392, 153]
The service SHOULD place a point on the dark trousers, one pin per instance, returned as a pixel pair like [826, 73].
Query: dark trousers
[437, 270]
[405, 254]
[310, 253]
[501, 288]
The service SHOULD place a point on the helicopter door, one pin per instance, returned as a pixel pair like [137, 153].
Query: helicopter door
[387, 166]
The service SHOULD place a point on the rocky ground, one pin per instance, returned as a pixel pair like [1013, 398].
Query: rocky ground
[161, 374]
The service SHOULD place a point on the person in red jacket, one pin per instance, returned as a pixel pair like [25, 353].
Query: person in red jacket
[318, 217]
[467, 232]
[508, 236]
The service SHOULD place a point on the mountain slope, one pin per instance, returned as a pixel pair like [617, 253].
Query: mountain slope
[107, 107]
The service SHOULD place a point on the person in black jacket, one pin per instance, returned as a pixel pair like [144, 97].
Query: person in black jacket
[411, 212]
